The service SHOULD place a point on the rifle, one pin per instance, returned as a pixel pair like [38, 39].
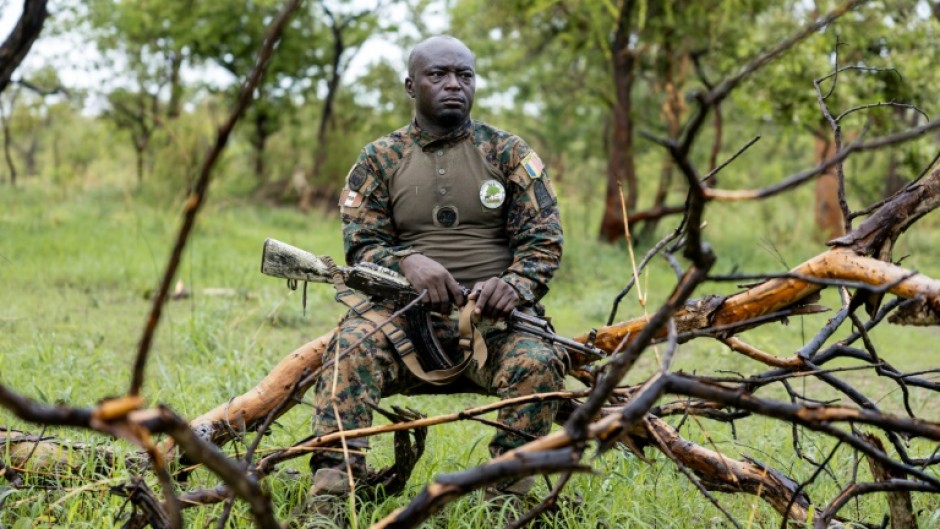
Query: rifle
[279, 259]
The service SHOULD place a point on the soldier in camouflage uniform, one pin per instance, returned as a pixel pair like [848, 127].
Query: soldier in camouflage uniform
[450, 203]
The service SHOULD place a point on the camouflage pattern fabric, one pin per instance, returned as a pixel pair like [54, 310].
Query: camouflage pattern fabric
[518, 364]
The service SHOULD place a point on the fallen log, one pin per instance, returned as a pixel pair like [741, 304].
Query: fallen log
[55, 457]
[246, 412]
[721, 473]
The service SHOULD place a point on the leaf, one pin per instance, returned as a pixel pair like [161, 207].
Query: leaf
[23, 523]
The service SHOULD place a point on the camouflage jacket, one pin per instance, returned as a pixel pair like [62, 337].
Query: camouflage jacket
[533, 225]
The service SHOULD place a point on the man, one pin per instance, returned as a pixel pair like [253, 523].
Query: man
[451, 203]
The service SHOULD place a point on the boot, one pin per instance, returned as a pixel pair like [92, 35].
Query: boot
[511, 494]
[325, 506]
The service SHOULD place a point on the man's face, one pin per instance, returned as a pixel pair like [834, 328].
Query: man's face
[442, 84]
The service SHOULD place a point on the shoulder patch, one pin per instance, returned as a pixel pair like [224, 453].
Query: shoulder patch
[350, 199]
[533, 165]
[542, 195]
[357, 176]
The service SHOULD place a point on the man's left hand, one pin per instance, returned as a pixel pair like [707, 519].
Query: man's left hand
[496, 299]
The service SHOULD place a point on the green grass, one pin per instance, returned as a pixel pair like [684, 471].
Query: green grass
[77, 269]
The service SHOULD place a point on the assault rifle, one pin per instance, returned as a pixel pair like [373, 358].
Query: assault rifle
[381, 284]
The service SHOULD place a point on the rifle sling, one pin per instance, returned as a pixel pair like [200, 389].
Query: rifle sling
[471, 344]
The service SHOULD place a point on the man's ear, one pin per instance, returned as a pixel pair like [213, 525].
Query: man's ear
[410, 87]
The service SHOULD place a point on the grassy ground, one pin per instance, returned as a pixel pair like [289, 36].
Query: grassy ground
[77, 269]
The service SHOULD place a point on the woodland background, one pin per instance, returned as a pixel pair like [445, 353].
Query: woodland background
[94, 175]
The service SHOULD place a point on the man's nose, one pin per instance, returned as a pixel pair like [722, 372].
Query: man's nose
[451, 81]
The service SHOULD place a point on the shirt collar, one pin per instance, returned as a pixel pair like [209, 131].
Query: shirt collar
[424, 138]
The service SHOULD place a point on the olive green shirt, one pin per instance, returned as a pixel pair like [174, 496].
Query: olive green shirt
[477, 200]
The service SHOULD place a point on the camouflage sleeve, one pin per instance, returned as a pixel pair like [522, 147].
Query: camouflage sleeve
[533, 225]
[369, 234]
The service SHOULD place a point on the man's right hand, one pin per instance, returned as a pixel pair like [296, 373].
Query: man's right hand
[426, 273]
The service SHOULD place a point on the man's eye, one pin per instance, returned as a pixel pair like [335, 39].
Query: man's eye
[436, 75]
[466, 75]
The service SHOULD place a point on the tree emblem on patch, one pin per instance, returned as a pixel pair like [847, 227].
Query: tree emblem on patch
[492, 194]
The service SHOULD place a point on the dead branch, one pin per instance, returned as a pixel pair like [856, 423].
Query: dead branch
[609, 416]
[824, 518]
[450, 486]
[802, 177]
[719, 472]
[776, 294]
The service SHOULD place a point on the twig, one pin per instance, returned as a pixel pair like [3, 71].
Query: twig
[882, 104]
[652, 252]
[708, 176]
[819, 469]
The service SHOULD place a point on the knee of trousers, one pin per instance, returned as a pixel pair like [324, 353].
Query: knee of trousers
[532, 367]
[371, 362]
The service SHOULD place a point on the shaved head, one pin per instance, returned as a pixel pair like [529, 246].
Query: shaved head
[442, 81]
[429, 45]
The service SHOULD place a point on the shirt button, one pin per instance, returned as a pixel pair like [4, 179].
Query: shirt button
[441, 171]
[442, 191]
[440, 153]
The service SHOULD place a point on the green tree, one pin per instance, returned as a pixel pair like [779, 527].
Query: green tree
[588, 56]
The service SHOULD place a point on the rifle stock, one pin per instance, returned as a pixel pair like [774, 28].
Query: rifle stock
[282, 260]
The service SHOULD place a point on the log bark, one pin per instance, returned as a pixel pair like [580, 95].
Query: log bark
[24, 450]
[721, 473]
[247, 411]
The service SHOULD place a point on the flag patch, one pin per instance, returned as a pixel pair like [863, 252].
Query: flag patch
[533, 165]
[350, 199]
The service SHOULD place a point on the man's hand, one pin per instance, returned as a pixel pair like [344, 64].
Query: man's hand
[495, 298]
[426, 273]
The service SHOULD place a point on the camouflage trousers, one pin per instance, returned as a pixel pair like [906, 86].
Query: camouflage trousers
[518, 364]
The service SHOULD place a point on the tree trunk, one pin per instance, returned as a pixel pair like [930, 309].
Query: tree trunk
[894, 182]
[21, 39]
[620, 168]
[139, 151]
[326, 117]
[672, 110]
[56, 155]
[258, 142]
[176, 87]
[7, 140]
[900, 505]
[829, 221]
[29, 155]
